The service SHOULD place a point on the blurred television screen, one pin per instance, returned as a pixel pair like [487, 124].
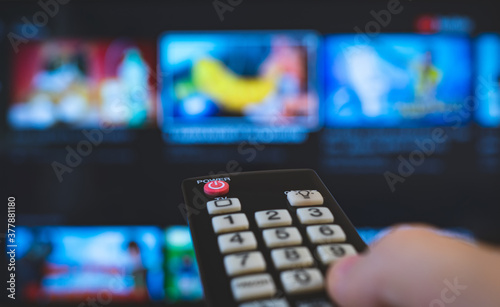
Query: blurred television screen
[182, 279]
[122, 264]
[488, 82]
[77, 83]
[396, 80]
[236, 81]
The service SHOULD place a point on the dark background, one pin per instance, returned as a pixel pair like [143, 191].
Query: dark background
[134, 178]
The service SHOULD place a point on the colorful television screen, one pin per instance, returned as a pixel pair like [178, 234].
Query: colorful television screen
[239, 79]
[396, 80]
[488, 82]
[125, 264]
[74, 83]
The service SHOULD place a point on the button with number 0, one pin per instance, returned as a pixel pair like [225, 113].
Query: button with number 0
[302, 281]
[243, 263]
[237, 242]
[230, 222]
[273, 218]
[328, 233]
[315, 215]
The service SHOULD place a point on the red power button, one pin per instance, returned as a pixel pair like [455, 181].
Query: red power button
[216, 188]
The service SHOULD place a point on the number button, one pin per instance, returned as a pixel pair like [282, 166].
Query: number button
[253, 287]
[325, 233]
[284, 236]
[273, 218]
[302, 198]
[220, 206]
[237, 242]
[302, 281]
[292, 257]
[267, 303]
[314, 215]
[230, 222]
[243, 263]
[333, 252]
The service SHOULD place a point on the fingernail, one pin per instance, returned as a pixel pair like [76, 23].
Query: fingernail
[342, 268]
[340, 272]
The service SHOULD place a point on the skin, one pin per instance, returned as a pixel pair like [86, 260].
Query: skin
[418, 267]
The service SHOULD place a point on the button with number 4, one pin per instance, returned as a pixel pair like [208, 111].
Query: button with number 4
[243, 263]
[237, 242]
[230, 222]
[273, 218]
[325, 233]
[315, 215]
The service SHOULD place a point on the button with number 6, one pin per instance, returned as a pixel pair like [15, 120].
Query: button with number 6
[325, 233]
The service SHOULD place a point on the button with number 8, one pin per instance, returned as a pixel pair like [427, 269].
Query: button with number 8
[273, 218]
[292, 257]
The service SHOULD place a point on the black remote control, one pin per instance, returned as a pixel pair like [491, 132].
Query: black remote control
[266, 238]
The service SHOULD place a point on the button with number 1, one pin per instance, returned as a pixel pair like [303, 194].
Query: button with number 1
[230, 222]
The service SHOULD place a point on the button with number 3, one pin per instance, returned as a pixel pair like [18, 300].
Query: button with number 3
[273, 218]
[243, 263]
[315, 215]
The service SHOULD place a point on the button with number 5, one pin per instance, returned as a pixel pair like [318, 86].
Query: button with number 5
[273, 218]
[315, 215]
[244, 263]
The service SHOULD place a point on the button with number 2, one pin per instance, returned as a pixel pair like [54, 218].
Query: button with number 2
[273, 218]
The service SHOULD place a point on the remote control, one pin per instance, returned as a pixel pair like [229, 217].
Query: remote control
[266, 238]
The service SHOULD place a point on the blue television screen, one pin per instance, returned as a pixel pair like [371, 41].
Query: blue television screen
[125, 264]
[396, 80]
[488, 82]
[236, 81]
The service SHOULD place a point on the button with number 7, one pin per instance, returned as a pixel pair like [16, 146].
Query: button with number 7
[244, 263]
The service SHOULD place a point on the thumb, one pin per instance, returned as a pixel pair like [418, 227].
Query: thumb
[405, 269]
